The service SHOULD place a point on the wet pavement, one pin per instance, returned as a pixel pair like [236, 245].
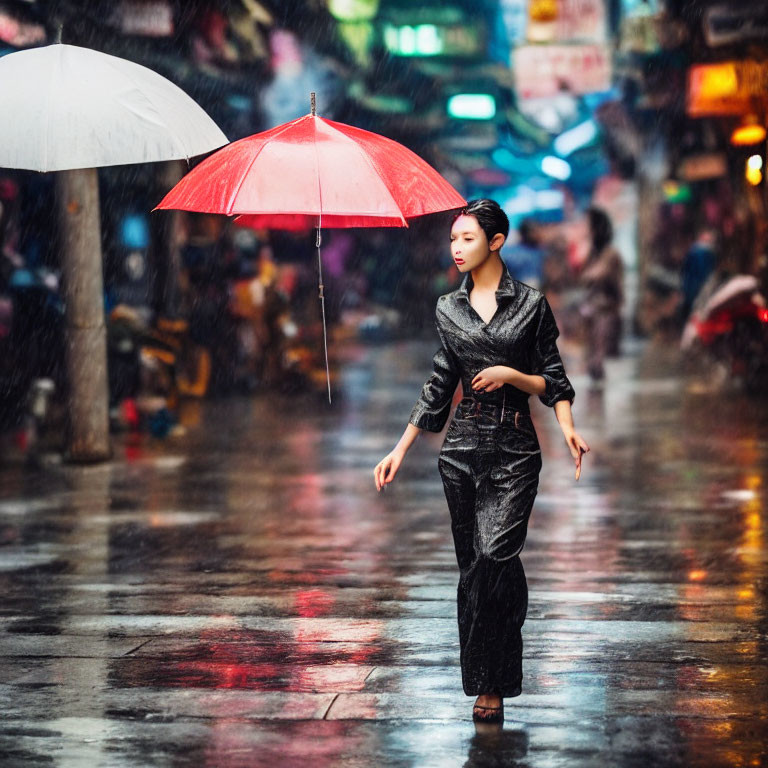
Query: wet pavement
[242, 596]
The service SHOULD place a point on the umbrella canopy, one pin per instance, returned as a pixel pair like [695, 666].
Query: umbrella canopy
[72, 107]
[318, 172]
[315, 171]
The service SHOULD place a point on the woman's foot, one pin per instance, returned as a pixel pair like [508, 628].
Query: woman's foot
[489, 708]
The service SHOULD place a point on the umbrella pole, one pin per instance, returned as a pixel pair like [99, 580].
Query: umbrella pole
[320, 286]
[83, 291]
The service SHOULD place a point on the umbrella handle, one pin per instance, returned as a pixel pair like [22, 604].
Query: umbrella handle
[321, 287]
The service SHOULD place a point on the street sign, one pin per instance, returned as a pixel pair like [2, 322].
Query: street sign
[725, 88]
[735, 23]
[426, 40]
[546, 70]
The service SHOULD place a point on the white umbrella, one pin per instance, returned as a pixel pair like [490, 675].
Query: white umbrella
[69, 107]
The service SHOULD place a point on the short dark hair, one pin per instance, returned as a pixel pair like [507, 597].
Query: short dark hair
[489, 215]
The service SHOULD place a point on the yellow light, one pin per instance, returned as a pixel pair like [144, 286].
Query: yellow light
[718, 80]
[748, 134]
[353, 10]
[697, 575]
[754, 171]
[542, 10]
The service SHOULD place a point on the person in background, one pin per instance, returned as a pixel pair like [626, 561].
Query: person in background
[602, 277]
[526, 259]
[698, 265]
[209, 260]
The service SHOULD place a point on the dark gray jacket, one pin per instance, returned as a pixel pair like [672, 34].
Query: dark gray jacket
[522, 334]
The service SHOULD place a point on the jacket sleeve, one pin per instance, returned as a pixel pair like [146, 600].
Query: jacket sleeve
[433, 406]
[547, 361]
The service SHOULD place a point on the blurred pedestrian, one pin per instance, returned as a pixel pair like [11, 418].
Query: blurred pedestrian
[209, 259]
[525, 260]
[698, 265]
[490, 460]
[602, 277]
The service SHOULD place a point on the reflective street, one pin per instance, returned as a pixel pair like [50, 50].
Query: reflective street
[242, 596]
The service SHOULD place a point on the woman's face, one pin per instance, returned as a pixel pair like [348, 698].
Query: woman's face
[469, 244]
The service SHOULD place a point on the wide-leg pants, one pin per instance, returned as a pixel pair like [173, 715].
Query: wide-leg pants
[489, 464]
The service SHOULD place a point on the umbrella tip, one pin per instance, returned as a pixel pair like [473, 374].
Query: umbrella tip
[312, 104]
[59, 32]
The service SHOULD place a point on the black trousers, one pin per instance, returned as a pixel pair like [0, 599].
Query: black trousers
[489, 464]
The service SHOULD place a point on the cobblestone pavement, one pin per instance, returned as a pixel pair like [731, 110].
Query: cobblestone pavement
[242, 596]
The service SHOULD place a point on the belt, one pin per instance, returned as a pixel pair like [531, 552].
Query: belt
[472, 408]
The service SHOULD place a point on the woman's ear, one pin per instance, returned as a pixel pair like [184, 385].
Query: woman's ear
[496, 242]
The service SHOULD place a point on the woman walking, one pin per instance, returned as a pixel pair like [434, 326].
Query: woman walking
[497, 338]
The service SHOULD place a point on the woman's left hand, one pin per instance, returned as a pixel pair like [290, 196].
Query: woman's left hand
[577, 446]
[491, 378]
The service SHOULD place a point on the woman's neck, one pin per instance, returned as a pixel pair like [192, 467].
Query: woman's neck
[487, 276]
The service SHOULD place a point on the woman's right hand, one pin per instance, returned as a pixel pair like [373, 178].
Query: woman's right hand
[386, 469]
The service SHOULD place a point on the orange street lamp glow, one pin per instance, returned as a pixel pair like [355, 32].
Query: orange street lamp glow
[749, 132]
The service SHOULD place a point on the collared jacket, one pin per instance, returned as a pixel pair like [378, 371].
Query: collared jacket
[522, 334]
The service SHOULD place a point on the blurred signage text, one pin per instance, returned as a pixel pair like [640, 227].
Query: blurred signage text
[725, 88]
[706, 165]
[734, 23]
[564, 21]
[144, 18]
[581, 21]
[434, 40]
[546, 70]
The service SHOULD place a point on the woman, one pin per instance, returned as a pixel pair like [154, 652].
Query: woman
[602, 278]
[498, 338]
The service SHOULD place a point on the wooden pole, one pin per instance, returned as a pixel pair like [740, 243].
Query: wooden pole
[85, 333]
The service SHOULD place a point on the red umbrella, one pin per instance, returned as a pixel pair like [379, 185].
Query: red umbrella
[315, 172]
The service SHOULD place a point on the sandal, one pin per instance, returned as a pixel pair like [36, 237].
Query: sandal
[482, 714]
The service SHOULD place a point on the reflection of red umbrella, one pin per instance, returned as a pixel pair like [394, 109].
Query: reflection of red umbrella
[315, 172]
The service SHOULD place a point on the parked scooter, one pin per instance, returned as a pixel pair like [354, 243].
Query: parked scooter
[729, 325]
[151, 366]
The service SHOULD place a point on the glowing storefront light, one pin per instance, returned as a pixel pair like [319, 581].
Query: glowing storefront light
[754, 170]
[353, 10]
[524, 201]
[428, 42]
[407, 41]
[550, 199]
[718, 80]
[749, 132]
[556, 167]
[575, 138]
[472, 106]
[420, 40]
